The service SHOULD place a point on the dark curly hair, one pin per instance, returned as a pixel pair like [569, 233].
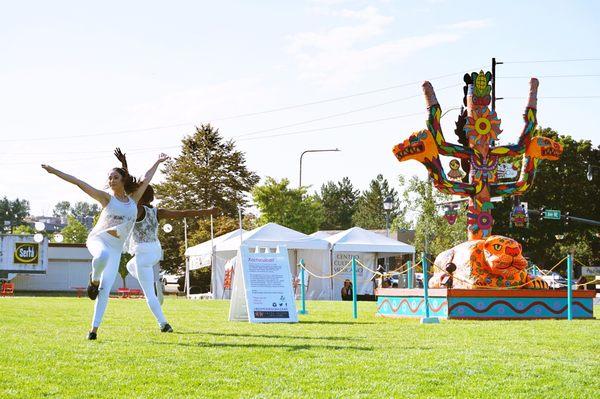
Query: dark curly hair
[130, 183]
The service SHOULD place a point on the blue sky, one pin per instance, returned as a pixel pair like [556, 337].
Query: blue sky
[73, 69]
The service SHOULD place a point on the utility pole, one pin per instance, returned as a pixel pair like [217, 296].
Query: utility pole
[494, 63]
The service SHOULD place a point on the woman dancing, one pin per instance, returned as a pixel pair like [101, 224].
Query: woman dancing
[105, 241]
[145, 247]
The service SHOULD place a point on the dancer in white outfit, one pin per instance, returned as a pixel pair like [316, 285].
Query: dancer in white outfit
[105, 241]
[145, 247]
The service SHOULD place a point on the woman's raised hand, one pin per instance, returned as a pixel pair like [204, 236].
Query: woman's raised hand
[162, 157]
[48, 168]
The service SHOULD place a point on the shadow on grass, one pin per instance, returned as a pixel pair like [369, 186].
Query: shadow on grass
[350, 323]
[264, 336]
[263, 346]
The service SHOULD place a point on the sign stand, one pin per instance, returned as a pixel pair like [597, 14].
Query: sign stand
[262, 287]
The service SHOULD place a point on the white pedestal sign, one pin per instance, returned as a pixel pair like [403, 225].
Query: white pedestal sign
[262, 288]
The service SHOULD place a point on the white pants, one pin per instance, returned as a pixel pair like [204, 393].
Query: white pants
[141, 266]
[106, 251]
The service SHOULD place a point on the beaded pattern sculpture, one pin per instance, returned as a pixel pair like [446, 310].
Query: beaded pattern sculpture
[478, 154]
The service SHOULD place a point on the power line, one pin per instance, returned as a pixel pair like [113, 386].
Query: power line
[334, 127]
[109, 155]
[549, 76]
[137, 130]
[550, 61]
[550, 97]
[364, 93]
[339, 114]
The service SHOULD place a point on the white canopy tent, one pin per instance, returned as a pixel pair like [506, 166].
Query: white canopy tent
[314, 252]
[366, 246]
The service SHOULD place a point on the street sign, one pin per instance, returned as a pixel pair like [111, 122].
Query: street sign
[590, 271]
[552, 214]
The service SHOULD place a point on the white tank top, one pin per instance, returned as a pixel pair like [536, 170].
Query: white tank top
[116, 216]
[144, 236]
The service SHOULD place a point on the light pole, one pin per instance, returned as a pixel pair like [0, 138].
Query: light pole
[388, 202]
[304, 152]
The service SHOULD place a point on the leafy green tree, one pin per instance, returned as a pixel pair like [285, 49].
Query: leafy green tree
[559, 185]
[369, 212]
[24, 229]
[62, 209]
[433, 233]
[210, 171]
[83, 209]
[339, 202]
[74, 232]
[13, 211]
[123, 272]
[289, 207]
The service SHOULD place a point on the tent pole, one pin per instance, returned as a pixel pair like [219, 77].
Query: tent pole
[212, 258]
[331, 272]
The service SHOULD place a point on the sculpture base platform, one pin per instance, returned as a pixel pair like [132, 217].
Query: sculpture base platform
[484, 304]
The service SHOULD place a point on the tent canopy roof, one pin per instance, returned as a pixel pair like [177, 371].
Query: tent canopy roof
[204, 248]
[358, 239]
[271, 235]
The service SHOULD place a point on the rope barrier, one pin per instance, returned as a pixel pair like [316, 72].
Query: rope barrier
[326, 277]
[581, 263]
[488, 287]
[580, 284]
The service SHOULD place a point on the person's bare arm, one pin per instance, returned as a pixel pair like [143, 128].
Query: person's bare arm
[148, 177]
[187, 213]
[101, 196]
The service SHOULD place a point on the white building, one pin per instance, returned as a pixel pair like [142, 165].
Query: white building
[69, 267]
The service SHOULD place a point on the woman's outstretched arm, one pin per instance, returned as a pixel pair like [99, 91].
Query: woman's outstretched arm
[148, 177]
[187, 213]
[102, 197]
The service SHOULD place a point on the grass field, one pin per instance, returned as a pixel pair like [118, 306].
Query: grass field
[328, 354]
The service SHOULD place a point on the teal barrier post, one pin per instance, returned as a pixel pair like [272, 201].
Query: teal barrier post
[427, 319]
[570, 286]
[409, 280]
[354, 302]
[302, 288]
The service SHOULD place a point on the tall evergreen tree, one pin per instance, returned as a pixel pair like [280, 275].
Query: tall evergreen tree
[339, 202]
[369, 211]
[210, 171]
[289, 207]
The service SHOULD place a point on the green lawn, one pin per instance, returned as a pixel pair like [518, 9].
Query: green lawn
[328, 354]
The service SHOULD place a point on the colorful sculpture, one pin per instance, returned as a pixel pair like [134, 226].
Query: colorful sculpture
[495, 262]
[455, 173]
[477, 129]
[519, 216]
[451, 213]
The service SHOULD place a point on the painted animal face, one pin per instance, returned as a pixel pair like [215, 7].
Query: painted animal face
[503, 256]
[544, 148]
[420, 146]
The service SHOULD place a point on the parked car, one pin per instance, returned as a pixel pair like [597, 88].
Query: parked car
[170, 282]
[553, 279]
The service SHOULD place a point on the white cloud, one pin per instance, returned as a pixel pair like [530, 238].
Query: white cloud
[342, 54]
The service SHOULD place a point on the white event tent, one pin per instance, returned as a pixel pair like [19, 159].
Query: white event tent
[366, 246]
[314, 252]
